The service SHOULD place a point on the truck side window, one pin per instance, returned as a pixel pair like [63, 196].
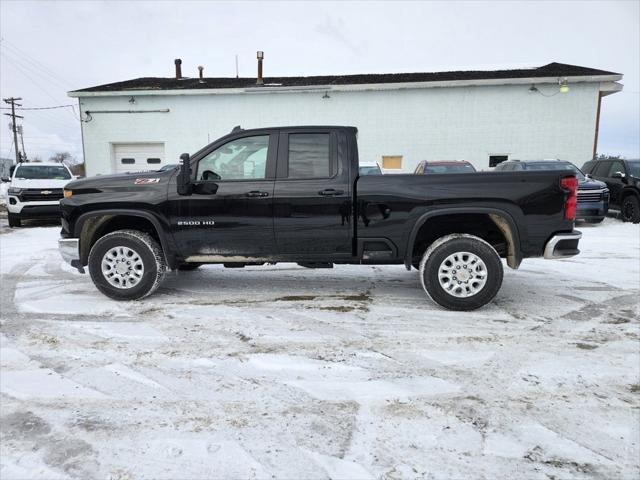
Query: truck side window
[616, 167]
[309, 155]
[602, 169]
[241, 159]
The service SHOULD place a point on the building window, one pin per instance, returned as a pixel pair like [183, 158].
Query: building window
[496, 159]
[127, 160]
[309, 155]
[392, 162]
[153, 160]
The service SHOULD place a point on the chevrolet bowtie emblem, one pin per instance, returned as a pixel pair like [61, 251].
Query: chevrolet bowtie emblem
[45, 192]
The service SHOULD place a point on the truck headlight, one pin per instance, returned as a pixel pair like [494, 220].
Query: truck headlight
[14, 191]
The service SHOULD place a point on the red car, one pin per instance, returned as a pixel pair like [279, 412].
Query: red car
[443, 166]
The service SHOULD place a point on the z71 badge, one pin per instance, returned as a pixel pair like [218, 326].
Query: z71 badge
[146, 181]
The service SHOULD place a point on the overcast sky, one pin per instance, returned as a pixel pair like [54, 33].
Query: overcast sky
[49, 48]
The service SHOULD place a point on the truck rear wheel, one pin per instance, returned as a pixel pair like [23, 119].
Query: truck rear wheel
[127, 264]
[461, 272]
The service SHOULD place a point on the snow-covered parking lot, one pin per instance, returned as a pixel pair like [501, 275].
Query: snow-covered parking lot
[285, 372]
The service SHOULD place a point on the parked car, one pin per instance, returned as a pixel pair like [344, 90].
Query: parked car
[623, 179]
[443, 166]
[243, 201]
[35, 190]
[371, 168]
[593, 195]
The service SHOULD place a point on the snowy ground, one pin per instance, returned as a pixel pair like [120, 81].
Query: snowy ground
[284, 372]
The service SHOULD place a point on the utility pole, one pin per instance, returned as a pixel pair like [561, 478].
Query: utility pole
[24, 151]
[12, 101]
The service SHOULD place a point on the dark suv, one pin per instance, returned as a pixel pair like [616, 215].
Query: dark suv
[623, 179]
[593, 195]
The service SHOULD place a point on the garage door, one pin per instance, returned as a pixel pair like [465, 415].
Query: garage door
[138, 157]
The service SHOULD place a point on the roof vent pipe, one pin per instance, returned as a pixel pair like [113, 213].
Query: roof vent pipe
[260, 81]
[200, 69]
[178, 63]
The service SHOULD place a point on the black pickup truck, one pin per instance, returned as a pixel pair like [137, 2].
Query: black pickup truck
[293, 194]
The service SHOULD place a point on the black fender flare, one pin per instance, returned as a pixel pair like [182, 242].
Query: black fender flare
[166, 243]
[502, 219]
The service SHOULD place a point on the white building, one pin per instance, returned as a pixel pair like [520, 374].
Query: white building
[480, 116]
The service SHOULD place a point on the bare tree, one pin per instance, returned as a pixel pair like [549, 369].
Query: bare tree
[61, 157]
[602, 156]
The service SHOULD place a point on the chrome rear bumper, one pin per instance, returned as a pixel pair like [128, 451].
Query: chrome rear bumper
[563, 245]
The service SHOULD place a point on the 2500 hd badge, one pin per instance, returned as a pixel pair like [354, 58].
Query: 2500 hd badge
[195, 223]
[294, 195]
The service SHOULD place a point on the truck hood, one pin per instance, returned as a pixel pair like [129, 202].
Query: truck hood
[45, 183]
[120, 180]
[591, 184]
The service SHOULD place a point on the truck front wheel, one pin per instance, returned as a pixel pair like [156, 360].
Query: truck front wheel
[14, 220]
[127, 264]
[631, 209]
[461, 272]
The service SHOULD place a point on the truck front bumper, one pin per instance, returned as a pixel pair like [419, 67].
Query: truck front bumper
[563, 245]
[70, 252]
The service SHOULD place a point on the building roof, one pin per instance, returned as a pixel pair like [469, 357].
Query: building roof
[160, 83]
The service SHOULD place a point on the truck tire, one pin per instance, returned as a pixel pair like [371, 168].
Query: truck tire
[14, 220]
[630, 210]
[461, 272]
[127, 265]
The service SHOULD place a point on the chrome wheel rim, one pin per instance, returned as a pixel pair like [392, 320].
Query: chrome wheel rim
[462, 274]
[122, 267]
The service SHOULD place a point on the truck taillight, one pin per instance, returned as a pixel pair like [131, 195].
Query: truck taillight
[571, 206]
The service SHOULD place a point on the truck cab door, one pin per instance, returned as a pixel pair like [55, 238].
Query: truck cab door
[616, 181]
[230, 211]
[313, 195]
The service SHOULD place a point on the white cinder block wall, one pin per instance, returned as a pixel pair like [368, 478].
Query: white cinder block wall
[449, 123]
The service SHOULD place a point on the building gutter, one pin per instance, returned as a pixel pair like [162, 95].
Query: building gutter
[602, 79]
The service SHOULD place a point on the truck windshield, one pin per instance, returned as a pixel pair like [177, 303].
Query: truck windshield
[42, 172]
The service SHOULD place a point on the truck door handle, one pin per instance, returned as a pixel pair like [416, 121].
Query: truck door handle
[330, 192]
[256, 193]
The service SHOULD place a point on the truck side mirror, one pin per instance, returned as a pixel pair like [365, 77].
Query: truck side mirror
[184, 176]
[618, 175]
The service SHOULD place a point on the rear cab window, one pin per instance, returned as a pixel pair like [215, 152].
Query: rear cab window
[309, 155]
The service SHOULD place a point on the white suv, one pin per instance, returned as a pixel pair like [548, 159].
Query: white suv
[35, 191]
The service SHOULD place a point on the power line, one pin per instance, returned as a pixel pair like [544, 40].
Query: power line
[32, 60]
[32, 80]
[33, 70]
[38, 108]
